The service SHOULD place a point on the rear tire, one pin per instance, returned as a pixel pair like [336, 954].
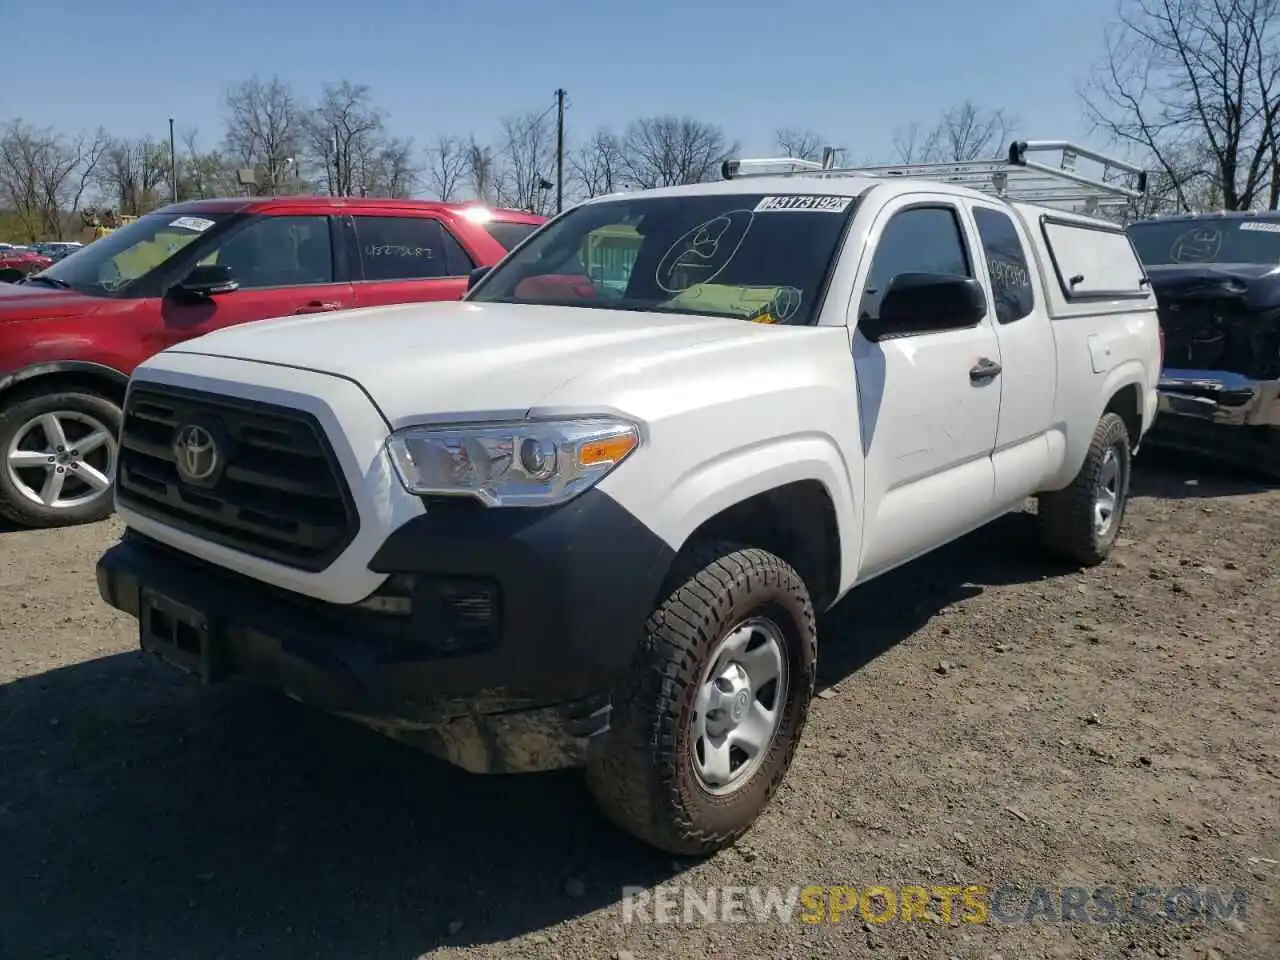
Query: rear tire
[1081, 523]
[699, 696]
[43, 486]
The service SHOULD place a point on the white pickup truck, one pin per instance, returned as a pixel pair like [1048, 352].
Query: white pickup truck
[572, 522]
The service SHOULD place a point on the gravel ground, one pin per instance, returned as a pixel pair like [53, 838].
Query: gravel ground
[987, 719]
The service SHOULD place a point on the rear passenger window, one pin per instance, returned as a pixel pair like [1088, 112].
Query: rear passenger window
[1006, 263]
[458, 260]
[403, 248]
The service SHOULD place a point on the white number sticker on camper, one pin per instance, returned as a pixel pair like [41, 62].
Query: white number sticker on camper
[1266, 226]
[804, 204]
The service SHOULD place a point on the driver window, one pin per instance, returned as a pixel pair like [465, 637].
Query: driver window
[918, 240]
[278, 252]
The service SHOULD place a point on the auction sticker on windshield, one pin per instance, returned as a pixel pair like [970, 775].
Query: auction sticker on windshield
[198, 224]
[804, 203]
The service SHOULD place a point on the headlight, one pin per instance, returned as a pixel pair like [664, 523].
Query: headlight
[525, 463]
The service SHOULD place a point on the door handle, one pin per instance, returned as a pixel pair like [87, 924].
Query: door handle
[984, 369]
[317, 306]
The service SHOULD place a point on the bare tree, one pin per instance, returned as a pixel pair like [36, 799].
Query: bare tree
[526, 155]
[446, 167]
[969, 132]
[915, 143]
[481, 171]
[44, 176]
[398, 172]
[203, 173]
[265, 131]
[132, 174]
[597, 167]
[345, 133]
[801, 144]
[964, 132]
[666, 151]
[83, 156]
[1195, 85]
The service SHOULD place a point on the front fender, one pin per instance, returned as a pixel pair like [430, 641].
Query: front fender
[675, 510]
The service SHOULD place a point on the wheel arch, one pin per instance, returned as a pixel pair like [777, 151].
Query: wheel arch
[1120, 393]
[795, 521]
[61, 375]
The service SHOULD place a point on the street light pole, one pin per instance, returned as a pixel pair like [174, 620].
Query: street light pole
[173, 162]
[560, 95]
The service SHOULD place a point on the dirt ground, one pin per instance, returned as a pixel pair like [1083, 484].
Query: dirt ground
[987, 719]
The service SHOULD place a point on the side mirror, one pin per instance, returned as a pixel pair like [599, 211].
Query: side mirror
[476, 275]
[11, 275]
[926, 303]
[208, 280]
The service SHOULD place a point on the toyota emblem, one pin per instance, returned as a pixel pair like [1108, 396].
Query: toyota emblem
[196, 453]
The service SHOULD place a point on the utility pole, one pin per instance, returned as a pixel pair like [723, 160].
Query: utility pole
[560, 95]
[173, 162]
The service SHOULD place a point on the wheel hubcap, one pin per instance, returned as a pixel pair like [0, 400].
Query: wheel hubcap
[1107, 492]
[62, 459]
[739, 704]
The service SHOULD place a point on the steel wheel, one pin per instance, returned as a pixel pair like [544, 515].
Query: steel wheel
[1106, 494]
[739, 705]
[62, 459]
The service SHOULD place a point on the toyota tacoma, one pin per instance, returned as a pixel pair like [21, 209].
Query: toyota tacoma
[570, 522]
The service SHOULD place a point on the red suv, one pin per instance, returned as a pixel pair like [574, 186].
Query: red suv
[71, 334]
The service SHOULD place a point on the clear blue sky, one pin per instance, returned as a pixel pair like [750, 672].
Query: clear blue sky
[851, 70]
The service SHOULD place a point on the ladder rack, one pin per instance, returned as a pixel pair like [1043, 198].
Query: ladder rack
[1012, 178]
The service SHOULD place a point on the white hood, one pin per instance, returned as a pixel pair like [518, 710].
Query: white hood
[428, 361]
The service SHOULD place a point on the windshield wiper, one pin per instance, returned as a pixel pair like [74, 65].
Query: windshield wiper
[51, 281]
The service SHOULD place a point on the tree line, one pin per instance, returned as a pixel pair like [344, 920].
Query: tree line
[1189, 88]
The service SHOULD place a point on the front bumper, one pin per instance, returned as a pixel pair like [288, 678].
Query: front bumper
[1220, 397]
[1195, 406]
[568, 590]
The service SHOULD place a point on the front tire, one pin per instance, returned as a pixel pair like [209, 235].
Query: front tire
[707, 721]
[57, 458]
[1081, 523]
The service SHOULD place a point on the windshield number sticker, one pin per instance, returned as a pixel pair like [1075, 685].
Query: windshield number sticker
[198, 224]
[804, 203]
[1266, 226]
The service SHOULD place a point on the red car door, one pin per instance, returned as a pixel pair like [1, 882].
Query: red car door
[403, 258]
[284, 266]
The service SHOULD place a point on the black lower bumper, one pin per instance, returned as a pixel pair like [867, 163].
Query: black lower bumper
[1221, 414]
[565, 594]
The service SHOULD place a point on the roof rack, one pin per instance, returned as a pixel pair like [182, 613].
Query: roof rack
[1012, 178]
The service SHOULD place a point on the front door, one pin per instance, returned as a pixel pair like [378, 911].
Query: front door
[407, 259]
[285, 267]
[928, 422]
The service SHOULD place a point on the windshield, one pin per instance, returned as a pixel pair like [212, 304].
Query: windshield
[111, 263]
[758, 257]
[1208, 240]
